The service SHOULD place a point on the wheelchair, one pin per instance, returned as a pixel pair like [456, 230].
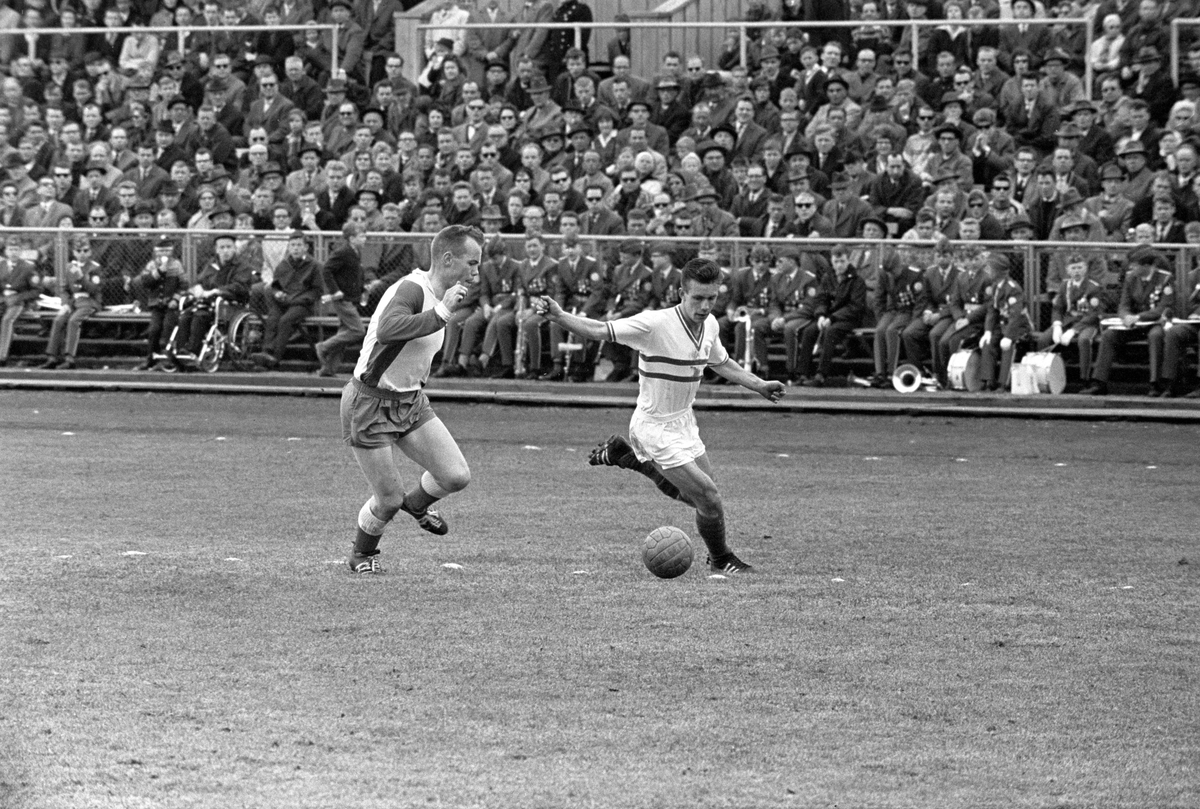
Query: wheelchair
[234, 335]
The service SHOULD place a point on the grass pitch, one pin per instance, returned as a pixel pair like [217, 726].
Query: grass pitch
[952, 613]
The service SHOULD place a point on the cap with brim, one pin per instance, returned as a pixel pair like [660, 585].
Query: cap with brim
[447, 43]
[1133, 147]
[1070, 197]
[1111, 171]
[144, 207]
[798, 174]
[305, 148]
[950, 97]
[1072, 222]
[344, 4]
[220, 209]
[1056, 55]
[1146, 54]
[1083, 105]
[839, 180]
[711, 81]
[173, 58]
[497, 63]
[538, 84]
[492, 212]
[709, 146]
[727, 129]
[639, 102]
[1068, 131]
[372, 191]
[335, 86]
[768, 52]
[660, 248]
[837, 80]
[166, 126]
[630, 247]
[667, 83]
[583, 127]
[1020, 221]
[98, 168]
[168, 189]
[263, 59]
[1189, 79]
[948, 129]
[876, 220]
[272, 168]
[878, 104]
[12, 160]
[175, 100]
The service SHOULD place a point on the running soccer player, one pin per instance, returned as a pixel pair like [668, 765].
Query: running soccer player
[384, 406]
[675, 347]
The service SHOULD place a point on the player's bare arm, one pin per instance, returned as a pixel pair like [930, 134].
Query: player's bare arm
[583, 327]
[770, 390]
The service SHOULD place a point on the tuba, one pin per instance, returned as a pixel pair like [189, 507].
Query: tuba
[908, 379]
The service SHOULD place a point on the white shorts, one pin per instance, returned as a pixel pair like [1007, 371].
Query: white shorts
[667, 443]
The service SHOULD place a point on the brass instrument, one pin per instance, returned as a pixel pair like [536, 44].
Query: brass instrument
[742, 315]
[907, 378]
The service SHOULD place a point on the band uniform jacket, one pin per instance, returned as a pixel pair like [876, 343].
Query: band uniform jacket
[83, 289]
[664, 288]
[628, 289]
[752, 291]
[1078, 306]
[970, 294]
[21, 280]
[498, 282]
[159, 284]
[1006, 310]
[938, 289]
[902, 292]
[1190, 308]
[847, 298]
[797, 295]
[581, 286]
[538, 278]
[1151, 299]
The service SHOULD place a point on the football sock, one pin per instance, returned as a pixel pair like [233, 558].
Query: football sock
[369, 531]
[425, 495]
[665, 486]
[712, 531]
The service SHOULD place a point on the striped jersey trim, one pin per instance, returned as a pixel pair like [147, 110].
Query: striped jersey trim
[687, 380]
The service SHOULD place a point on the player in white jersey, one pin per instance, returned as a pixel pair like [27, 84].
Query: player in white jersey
[675, 347]
[384, 407]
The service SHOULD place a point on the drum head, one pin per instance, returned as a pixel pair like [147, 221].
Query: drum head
[963, 371]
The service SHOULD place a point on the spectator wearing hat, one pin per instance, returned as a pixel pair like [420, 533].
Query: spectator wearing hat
[991, 150]
[668, 110]
[949, 157]
[93, 193]
[1138, 177]
[657, 137]
[837, 96]
[543, 113]
[1153, 84]
[1148, 298]
[1094, 140]
[351, 40]
[1061, 88]
[1110, 206]
[1140, 128]
[1148, 31]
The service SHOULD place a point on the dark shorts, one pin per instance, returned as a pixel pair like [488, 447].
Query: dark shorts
[373, 418]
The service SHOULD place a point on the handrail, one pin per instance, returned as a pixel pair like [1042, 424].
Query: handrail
[171, 29]
[744, 26]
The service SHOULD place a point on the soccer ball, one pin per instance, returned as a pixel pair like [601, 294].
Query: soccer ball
[667, 552]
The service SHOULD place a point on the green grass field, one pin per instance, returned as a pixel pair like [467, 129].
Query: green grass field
[951, 613]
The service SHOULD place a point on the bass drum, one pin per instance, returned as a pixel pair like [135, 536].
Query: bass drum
[963, 371]
[1049, 371]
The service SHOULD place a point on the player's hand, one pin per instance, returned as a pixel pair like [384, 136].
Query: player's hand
[1067, 337]
[777, 324]
[547, 307]
[772, 390]
[823, 322]
[1056, 334]
[985, 339]
[1129, 320]
[454, 296]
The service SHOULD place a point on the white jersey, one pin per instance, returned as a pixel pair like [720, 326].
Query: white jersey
[673, 356]
[404, 335]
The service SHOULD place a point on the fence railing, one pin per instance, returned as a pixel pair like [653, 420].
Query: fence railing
[122, 254]
[649, 49]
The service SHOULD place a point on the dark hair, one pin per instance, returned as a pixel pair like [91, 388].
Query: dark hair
[701, 271]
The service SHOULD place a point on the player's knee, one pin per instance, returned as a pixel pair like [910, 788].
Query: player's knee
[455, 480]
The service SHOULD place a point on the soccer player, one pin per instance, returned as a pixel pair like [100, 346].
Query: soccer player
[384, 407]
[675, 346]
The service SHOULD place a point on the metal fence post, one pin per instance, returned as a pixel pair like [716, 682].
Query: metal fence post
[743, 46]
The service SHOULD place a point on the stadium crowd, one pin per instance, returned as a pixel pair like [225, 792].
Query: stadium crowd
[989, 134]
